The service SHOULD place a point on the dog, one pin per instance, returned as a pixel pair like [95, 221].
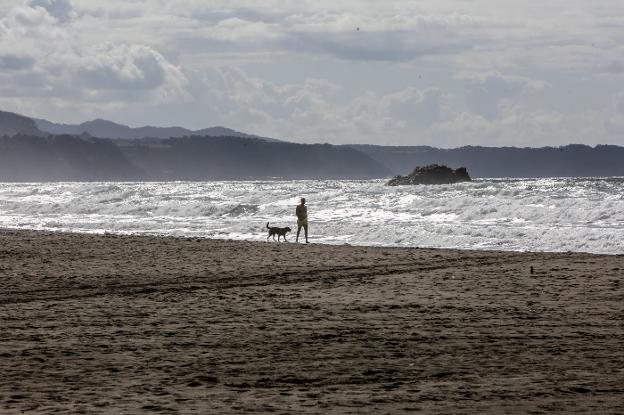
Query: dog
[274, 230]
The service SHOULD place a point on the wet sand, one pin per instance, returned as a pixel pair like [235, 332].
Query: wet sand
[120, 324]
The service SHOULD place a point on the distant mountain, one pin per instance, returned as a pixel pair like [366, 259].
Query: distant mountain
[12, 124]
[41, 150]
[568, 161]
[27, 158]
[74, 152]
[100, 128]
[232, 158]
[75, 158]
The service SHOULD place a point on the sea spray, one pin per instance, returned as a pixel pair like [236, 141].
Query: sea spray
[570, 214]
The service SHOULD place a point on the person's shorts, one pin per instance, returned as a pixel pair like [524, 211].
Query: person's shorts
[302, 222]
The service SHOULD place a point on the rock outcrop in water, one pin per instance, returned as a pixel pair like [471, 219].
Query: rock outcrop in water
[432, 174]
[567, 161]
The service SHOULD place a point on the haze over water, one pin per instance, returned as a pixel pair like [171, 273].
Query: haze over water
[571, 214]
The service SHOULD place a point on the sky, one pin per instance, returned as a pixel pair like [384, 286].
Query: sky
[445, 73]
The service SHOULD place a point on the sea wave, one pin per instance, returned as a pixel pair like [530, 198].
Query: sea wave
[570, 214]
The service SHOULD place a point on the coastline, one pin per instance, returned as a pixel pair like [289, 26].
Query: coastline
[113, 323]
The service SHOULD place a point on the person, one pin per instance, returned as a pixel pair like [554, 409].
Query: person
[302, 219]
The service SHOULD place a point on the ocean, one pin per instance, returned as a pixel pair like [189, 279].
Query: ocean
[559, 214]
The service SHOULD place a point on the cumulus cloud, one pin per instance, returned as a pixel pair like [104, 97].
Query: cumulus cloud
[396, 112]
[60, 9]
[232, 97]
[57, 67]
[237, 29]
[23, 22]
[487, 92]
[348, 71]
[126, 67]
[308, 111]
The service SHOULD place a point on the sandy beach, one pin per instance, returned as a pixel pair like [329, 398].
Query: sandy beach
[131, 324]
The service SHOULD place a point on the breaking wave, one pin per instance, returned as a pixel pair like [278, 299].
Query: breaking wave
[533, 214]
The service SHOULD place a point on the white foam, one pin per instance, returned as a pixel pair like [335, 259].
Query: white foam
[537, 215]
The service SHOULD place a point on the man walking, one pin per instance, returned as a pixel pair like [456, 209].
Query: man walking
[302, 219]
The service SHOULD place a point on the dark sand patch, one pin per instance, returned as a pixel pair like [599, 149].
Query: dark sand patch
[112, 324]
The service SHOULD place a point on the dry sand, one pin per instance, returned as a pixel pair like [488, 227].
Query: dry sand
[112, 324]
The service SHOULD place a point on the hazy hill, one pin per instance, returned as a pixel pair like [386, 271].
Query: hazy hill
[11, 124]
[59, 158]
[26, 153]
[72, 152]
[107, 129]
[73, 158]
[567, 161]
[204, 158]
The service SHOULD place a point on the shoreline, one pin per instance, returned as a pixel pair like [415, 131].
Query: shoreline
[126, 323]
[261, 239]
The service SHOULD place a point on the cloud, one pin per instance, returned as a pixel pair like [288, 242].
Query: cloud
[492, 72]
[487, 92]
[379, 38]
[126, 67]
[12, 62]
[56, 67]
[237, 29]
[386, 46]
[395, 113]
[308, 111]
[615, 67]
[25, 21]
[232, 97]
[60, 9]
[618, 102]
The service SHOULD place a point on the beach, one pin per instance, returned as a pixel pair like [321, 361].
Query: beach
[130, 324]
